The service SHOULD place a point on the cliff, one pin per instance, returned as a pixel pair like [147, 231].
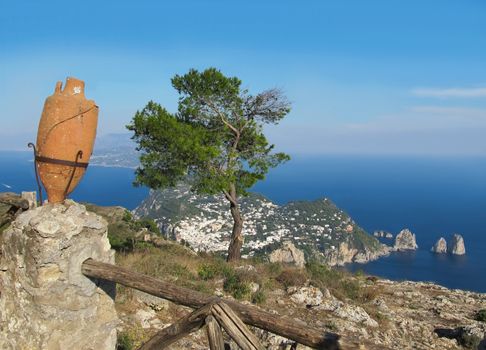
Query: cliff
[319, 228]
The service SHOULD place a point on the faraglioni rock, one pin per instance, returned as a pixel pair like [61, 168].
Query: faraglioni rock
[382, 234]
[440, 247]
[405, 240]
[457, 246]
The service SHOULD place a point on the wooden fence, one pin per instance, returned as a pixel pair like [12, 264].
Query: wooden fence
[213, 313]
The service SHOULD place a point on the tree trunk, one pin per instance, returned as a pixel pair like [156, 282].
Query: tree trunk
[236, 242]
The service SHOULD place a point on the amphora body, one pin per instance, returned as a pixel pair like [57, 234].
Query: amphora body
[65, 139]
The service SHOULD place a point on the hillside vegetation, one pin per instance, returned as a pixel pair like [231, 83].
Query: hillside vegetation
[323, 231]
[367, 311]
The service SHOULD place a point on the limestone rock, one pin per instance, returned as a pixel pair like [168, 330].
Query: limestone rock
[46, 302]
[153, 302]
[349, 312]
[405, 240]
[308, 296]
[11, 205]
[457, 246]
[383, 234]
[148, 319]
[440, 246]
[14, 200]
[288, 254]
[31, 198]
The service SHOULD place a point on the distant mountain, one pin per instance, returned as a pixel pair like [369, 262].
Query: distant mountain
[319, 228]
[115, 150]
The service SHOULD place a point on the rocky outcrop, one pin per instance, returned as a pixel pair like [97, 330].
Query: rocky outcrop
[469, 336]
[456, 246]
[11, 205]
[383, 234]
[288, 254]
[344, 253]
[312, 297]
[308, 296]
[46, 302]
[405, 240]
[440, 247]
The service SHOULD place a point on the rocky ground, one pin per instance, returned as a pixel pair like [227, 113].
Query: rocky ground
[396, 315]
[367, 312]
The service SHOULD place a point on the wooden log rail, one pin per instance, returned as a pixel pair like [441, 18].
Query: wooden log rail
[249, 314]
[214, 316]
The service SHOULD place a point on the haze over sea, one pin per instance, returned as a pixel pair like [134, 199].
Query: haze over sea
[432, 196]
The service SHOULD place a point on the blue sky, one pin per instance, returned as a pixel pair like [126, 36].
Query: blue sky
[365, 77]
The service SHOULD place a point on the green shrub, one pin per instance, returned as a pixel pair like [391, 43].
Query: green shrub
[259, 297]
[481, 315]
[323, 276]
[127, 216]
[351, 289]
[124, 342]
[238, 288]
[207, 271]
[147, 223]
[142, 245]
[119, 242]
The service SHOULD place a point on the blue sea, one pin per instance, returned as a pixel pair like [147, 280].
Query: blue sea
[100, 185]
[432, 196]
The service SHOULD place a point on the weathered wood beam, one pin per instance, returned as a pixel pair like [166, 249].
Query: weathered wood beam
[190, 323]
[249, 314]
[236, 329]
[215, 336]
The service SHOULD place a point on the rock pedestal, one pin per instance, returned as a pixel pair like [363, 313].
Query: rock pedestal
[45, 301]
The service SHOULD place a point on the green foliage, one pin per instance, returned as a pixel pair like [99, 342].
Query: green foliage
[481, 315]
[338, 282]
[215, 138]
[217, 268]
[121, 237]
[147, 223]
[207, 271]
[124, 342]
[121, 233]
[127, 216]
[237, 286]
[259, 297]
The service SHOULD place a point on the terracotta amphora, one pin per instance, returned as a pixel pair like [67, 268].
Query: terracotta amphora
[65, 139]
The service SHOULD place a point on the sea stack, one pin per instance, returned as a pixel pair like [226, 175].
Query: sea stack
[440, 247]
[405, 240]
[457, 246]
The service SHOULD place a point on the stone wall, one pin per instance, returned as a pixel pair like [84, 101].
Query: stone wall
[45, 301]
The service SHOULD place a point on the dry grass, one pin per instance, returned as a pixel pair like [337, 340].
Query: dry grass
[206, 272]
